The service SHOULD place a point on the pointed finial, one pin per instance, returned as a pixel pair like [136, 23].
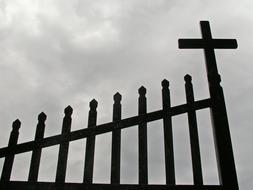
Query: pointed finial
[68, 111]
[42, 117]
[93, 104]
[16, 125]
[142, 90]
[188, 78]
[165, 83]
[117, 97]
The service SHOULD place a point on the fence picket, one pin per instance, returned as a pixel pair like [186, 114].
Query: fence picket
[90, 144]
[64, 147]
[168, 136]
[8, 162]
[142, 134]
[193, 130]
[36, 154]
[116, 141]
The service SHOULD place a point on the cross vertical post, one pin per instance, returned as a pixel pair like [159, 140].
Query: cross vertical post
[223, 144]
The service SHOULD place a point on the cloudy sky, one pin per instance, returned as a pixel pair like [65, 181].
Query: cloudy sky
[56, 53]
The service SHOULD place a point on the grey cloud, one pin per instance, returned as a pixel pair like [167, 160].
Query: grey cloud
[55, 53]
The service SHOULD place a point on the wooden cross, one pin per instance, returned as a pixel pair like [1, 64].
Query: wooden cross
[208, 44]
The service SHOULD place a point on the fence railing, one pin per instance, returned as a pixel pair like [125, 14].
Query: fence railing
[224, 154]
[166, 114]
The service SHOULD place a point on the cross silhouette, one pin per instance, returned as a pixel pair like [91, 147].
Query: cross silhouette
[223, 146]
[208, 44]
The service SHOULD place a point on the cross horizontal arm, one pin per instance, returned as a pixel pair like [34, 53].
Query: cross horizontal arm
[210, 43]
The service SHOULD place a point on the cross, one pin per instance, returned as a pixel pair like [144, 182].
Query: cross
[208, 44]
[226, 165]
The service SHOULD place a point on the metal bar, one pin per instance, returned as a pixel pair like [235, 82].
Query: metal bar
[168, 136]
[64, 147]
[36, 154]
[193, 131]
[90, 144]
[142, 134]
[116, 141]
[8, 161]
[212, 43]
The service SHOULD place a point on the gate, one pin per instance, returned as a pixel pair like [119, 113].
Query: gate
[216, 103]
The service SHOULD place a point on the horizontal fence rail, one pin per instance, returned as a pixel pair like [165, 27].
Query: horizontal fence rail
[79, 186]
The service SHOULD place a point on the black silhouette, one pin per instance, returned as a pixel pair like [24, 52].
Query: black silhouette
[224, 153]
[216, 103]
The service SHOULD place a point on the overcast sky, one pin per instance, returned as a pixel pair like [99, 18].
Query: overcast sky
[56, 53]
